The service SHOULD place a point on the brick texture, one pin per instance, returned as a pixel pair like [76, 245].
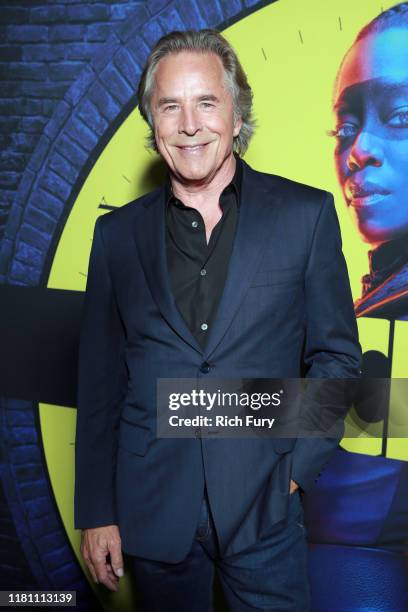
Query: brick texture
[44, 47]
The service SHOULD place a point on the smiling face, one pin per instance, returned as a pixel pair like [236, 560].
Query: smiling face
[371, 108]
[193, 116]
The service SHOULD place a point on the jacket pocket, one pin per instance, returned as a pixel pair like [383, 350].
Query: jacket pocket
[134, 438]
[283, 445]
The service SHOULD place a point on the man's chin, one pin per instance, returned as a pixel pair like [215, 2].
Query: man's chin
[192, 175]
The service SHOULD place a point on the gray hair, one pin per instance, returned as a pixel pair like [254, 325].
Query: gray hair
[201, 41]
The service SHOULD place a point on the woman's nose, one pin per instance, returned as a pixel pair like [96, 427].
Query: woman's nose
[366, 150]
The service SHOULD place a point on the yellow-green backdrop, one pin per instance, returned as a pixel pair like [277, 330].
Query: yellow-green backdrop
[291, 51]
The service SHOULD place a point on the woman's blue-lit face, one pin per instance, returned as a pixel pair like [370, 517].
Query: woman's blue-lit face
[371, 110]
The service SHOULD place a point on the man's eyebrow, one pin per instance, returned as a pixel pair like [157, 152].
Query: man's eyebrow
[166, 101]
[210, 97]
[201, 98]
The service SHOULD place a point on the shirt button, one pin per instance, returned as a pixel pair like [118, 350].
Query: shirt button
[195, 224]
[203, 272]
[204, 326]
[205, 368]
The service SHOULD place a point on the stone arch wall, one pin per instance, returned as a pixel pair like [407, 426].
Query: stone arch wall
[93, 105]
[43, 48]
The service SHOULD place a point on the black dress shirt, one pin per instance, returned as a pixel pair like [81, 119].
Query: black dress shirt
[197, 270]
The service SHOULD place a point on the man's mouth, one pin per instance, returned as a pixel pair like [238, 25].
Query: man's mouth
[195, 148]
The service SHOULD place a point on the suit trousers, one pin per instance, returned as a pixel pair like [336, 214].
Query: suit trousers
[270, 575]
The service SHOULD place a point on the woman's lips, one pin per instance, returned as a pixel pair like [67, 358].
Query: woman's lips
[367, 200]
[365, 194]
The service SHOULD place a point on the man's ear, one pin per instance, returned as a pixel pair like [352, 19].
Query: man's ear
[237, 126]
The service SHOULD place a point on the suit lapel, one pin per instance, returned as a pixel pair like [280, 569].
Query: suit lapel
[258, 206]
[150, 237]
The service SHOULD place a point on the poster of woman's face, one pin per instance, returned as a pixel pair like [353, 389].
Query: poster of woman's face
[370, 104]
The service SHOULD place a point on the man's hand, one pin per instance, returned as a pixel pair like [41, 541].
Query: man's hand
[293, 486]
[96, 544]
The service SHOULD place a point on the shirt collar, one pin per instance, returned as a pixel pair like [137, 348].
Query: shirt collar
[384, 261]
[235, 184]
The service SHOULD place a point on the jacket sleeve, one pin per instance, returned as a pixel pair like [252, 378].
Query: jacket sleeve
[102, 381]
[332, 350]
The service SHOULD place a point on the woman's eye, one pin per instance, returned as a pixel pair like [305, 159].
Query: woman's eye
[345, 130]
[399, 118]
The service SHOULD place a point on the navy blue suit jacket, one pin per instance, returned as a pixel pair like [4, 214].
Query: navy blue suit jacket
[286, 301]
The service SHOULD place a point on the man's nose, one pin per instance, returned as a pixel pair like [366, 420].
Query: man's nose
[190, 122]
[366, 150]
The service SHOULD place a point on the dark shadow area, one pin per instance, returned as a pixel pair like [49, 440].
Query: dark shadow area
[154, 175]
[39, 331]
[220, 604]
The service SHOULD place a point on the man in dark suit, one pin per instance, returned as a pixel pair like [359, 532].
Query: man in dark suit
[222, 272]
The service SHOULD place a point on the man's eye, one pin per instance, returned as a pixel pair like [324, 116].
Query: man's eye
[345, 130]
[170, 107]
[399, 118]
[206, 104]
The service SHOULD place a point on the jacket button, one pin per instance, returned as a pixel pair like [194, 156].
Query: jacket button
[205, 368]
